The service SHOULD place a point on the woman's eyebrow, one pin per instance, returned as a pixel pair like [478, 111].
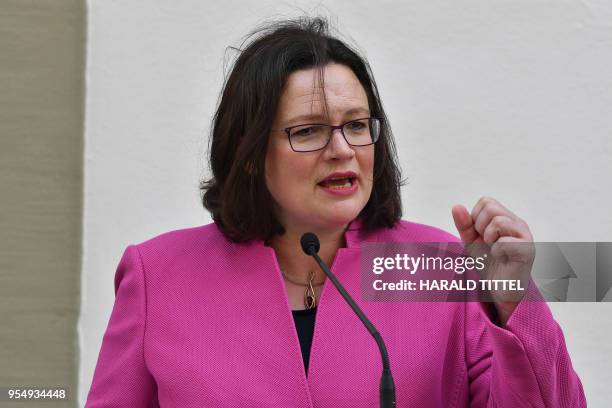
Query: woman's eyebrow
[321, 118]
[310, 118]
[359, 110]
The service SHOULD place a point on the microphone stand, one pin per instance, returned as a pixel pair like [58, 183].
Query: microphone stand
[310, 245]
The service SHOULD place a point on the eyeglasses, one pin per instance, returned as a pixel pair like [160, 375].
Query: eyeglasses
[311, 137]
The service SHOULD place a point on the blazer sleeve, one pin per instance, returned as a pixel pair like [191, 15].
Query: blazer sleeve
[121, 377]
[523, 364]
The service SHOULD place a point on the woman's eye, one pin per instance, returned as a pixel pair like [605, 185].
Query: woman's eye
[302, 132]
[357, 126]
[307, 131]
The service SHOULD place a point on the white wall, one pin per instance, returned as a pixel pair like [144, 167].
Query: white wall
[510, 99]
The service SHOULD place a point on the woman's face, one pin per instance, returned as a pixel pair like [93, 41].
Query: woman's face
[294, 179]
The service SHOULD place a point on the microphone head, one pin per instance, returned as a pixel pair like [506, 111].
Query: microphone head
[310, 243]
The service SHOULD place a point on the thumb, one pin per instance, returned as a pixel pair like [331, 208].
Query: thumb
[465, 224]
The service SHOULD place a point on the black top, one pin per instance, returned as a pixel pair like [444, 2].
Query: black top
[304, 323]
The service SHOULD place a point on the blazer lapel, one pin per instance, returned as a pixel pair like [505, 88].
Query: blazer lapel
[276, 345]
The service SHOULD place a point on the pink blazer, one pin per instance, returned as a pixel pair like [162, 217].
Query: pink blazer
[199, 321]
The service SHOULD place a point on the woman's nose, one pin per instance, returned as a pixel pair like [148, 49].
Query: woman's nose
[338, 148]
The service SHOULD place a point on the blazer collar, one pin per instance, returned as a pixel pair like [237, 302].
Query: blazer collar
[353, 235]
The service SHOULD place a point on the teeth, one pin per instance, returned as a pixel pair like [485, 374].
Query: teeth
[338, 183]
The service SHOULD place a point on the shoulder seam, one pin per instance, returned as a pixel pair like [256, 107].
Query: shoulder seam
[144, 281]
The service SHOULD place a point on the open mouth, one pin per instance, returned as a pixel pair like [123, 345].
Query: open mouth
[338, 183]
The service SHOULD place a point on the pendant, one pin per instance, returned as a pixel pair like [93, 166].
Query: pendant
[310, 299]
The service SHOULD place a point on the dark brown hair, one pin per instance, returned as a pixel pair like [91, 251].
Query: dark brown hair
[236, 194]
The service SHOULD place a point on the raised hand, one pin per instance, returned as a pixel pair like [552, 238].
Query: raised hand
[492, 228]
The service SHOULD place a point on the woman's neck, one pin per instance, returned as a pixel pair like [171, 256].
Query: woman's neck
[295, 263]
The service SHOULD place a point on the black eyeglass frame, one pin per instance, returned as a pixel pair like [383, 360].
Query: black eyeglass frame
[332, 128]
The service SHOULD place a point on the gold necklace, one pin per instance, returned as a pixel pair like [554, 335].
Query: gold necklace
[310, 299]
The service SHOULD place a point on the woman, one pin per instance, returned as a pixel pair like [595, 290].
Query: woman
[223, 315]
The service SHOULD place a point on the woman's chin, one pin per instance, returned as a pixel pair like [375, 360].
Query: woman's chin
[340, 220]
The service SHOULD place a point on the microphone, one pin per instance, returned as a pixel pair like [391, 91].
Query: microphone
[310, 245]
